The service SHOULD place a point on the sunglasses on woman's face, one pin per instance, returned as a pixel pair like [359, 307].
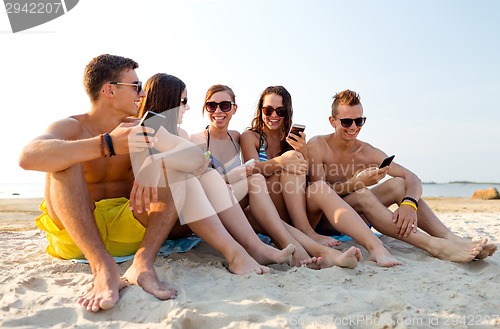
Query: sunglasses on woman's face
[346, 123]
[280, 111]
[184, 101]
[224, 106]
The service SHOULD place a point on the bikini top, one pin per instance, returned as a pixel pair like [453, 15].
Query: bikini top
[262, 149]
[224, 168]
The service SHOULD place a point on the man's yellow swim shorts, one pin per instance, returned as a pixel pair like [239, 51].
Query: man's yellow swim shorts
[121, 232]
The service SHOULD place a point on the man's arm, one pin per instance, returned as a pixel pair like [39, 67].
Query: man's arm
[57, 149]
[62, 147]
[413, 184]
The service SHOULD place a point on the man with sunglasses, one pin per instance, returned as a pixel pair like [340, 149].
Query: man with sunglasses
[86, 211]
[349, 166]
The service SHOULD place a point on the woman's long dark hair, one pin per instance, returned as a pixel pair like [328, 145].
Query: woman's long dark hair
[258, 123]
[163, 95]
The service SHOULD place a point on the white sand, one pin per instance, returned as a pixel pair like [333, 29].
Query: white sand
[37, 290]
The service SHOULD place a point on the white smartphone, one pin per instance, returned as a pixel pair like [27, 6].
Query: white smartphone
[249, 163]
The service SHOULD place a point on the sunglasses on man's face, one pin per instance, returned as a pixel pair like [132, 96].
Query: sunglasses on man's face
[137, 85]
[280, 111]
[346, 123]
[184, 101]
[224, 106]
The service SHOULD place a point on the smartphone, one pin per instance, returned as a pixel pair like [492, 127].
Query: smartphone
[152, 120]
[155, 121]
[387, 161]
[295, 129]
[249, 163]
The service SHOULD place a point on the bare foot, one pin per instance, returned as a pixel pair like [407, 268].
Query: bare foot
[348, 259]
[461, 252]
[324, 240]
[243, 264]
[311, 263]
[265, 254]
[146, 278]
[383, 257]
[299, 256]
[103, 294]
[332, 257]
[488, 250]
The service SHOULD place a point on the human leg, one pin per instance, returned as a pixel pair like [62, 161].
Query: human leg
[392, 192]
[236, 223]
[71, 208]
[159, 222]
[366, 203]
[291, 188]
[202, 218]
[321, 198]
[268, 219]
[324, 256]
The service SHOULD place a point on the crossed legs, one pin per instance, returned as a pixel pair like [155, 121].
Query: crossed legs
[321, 199]
[267, 219]
[439, 242]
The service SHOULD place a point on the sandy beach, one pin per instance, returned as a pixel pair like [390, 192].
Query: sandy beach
[38, 291]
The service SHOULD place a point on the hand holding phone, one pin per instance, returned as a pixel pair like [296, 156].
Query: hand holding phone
[295, 130]
[387, 161]
[249, 163]
[155, 121]
[152, 120]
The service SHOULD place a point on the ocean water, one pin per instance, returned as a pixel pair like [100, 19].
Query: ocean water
[21, 190]
[449, 190]
[455, 190]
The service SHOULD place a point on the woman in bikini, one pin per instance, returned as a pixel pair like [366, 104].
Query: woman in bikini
[251, 189]
[202, 198]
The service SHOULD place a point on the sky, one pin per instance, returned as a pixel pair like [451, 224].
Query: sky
[427, 71]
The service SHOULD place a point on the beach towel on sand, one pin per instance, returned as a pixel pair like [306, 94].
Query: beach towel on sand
[168, 247]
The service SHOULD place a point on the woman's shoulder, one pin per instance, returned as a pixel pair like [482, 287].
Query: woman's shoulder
[249, 139]
[198, 138]
[235, 135]
[250, 135]
[183, 133]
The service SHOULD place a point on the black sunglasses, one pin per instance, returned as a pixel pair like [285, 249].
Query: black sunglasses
[346, 123]
[184, 101]
[137, 85]
[280, 111]
[224, 106]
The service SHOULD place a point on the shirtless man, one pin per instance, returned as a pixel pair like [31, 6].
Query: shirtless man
[349, 166]
[86, 211]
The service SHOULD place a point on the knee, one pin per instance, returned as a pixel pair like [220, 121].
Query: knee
[75, 171]
[257, 179]
[362, 197]
[397, 187]
[318, 186]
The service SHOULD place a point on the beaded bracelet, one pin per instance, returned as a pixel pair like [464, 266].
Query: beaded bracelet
[409, 198]
[101, 145]
[411, 204]
[109, 143]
